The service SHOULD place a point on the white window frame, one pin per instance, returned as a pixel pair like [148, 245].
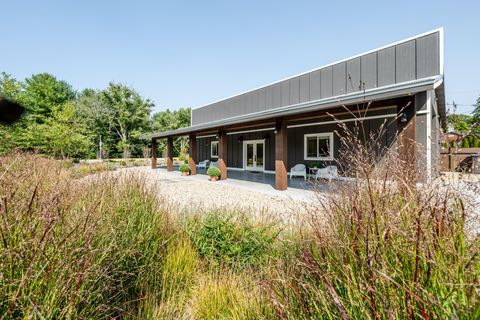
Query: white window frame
[328, 135]
[211, 150]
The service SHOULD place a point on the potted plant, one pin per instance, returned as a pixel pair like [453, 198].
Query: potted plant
[184, 169]
[214, 173]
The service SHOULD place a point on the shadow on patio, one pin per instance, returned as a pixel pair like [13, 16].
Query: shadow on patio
[268, 178]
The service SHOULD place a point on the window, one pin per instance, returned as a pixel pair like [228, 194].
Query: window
[214, 149]
[318, 146]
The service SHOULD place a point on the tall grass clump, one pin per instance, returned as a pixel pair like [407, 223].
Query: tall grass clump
[226, 295]
[232, 239]
[390, 245]
[180, 268]
[72, 249]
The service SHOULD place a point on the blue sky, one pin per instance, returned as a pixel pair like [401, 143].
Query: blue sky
[189, 53]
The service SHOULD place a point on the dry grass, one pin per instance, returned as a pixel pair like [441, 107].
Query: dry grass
[106, 247]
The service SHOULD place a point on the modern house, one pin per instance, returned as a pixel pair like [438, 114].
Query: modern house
[289, 122]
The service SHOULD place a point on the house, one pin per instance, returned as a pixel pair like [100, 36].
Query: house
[289, 122]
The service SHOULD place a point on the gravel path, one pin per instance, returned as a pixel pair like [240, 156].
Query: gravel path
[196, 194]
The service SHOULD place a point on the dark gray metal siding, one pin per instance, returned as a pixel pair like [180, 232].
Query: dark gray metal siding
[235, 148]
[410, 60]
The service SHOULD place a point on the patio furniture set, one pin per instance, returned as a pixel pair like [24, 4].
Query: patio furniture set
[300, 170]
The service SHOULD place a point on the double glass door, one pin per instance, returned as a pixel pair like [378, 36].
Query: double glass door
[254, 155]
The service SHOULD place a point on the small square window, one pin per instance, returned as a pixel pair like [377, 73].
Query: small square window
[318, 146]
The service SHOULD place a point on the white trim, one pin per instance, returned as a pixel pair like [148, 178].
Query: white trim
[253, 130]
[423, 112]
[429, 137]
[211, 149]
[235, 169]
[437, 83]
[328, 135]
[441, 48]
[390, 115]
[254, 142]
[440, 30]
[269, 171]
[206, 136]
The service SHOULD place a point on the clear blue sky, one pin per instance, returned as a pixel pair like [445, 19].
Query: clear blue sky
[189, 53]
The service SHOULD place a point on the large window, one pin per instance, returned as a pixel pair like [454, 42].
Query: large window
[318, 146]
[214, 149]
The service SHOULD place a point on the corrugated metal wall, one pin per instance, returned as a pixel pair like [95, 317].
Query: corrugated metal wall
[296, 141]
[410, 60]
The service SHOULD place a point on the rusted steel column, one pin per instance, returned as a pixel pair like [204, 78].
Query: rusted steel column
[154, 153]
[192, 154]
[281, 180]
[169, 154]
[222, 154]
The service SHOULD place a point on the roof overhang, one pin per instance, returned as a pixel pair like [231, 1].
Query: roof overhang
[374, 94]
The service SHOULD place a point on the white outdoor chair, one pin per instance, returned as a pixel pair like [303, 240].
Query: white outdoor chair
[214, 164]
[329, 172]
[299, 170]
[203, 164]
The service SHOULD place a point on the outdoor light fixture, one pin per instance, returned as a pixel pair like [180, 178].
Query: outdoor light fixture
[404, 117]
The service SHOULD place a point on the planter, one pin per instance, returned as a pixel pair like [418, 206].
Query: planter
[184, 174]
[213, 178]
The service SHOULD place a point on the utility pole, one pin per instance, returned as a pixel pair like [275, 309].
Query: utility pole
[100, 148]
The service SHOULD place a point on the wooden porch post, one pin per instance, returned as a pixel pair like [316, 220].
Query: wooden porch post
[222, 154]
[169, 154]
[192, 152]
[281, 180]
[154, 153]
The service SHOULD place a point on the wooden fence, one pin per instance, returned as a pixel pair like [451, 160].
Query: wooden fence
[460, 160]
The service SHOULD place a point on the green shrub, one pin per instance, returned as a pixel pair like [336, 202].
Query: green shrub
[226, 239]
[184, 168]
[213, 172]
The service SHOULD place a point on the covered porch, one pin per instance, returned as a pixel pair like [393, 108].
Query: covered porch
[266, 151]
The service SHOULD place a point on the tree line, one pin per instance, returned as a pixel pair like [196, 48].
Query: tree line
[62, 122]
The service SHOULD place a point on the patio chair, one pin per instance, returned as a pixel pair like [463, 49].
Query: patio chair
[203, 164]
[214, 164]
[299, 170]
[329, 172]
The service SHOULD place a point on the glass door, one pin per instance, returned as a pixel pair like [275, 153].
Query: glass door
[254, 155]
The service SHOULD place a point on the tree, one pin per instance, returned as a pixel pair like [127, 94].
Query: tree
[476, 111]
[10, 88]
[42, 93]
[62, 134]
[172, 120]
[95, 114]
[130, 114]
